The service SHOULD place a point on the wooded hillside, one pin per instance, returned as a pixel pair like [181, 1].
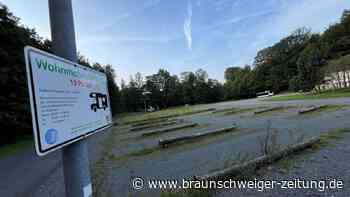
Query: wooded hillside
[297, 62]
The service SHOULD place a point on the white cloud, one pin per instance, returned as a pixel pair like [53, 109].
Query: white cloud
[237, 19]
[103, 39]
[188, 26]
[295, 15]
[292, 15]
[147, 4]
[237, 3]
[221, 4]
[308, 13]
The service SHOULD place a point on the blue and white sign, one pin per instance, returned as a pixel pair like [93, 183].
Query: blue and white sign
[51, 136]
[68, 101]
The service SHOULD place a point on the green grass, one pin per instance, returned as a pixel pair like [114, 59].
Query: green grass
[11, 149]
[163, 114]
[339, 93]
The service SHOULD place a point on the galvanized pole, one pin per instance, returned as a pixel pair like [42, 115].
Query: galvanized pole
[75, 156]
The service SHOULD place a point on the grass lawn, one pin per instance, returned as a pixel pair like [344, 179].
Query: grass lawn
[21, 144]
[323, 95]
[166, 113]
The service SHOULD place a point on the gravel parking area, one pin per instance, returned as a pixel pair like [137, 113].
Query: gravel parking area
[324, 164]
[124, 154]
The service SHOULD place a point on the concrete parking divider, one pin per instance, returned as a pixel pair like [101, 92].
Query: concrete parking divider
[310, 109]
[268, 110]
[155, 125]
[258, 162]
[168, 129]
[165, 142]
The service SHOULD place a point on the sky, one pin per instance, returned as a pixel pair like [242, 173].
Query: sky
[181, 35]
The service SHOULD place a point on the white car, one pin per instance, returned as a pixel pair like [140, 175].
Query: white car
[264, 94]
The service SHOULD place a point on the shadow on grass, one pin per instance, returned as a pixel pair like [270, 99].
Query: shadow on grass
[20, 145]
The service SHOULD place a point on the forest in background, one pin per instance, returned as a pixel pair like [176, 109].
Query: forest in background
[297, 62]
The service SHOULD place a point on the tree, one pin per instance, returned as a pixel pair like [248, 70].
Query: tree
[188, 80]
[82, 60]
[159, 84]
[231, 73]
[113, 89]
[215, 92]
[175, 94]
[15, 106]
[139, 80]
[15, 109]
[336, 37]
[240, 83]
[309, 64]
[277, 64]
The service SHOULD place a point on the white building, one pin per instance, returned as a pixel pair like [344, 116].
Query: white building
[336, 80]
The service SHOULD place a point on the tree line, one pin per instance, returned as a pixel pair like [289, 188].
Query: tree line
[298, 62]
[160, 90]
[163, 90]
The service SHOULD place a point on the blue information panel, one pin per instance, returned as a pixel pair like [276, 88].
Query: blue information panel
[68, 101]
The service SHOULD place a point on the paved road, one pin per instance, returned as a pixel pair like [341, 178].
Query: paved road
[25, 174]
[28, 175]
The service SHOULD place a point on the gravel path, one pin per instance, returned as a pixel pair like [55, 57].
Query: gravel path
[328, 163]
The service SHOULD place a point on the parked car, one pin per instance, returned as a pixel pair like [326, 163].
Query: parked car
[266, 93]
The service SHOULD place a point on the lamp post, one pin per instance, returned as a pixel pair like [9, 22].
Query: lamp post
[75, 156]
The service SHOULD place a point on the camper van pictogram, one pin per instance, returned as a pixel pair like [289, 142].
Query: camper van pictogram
[100, 101]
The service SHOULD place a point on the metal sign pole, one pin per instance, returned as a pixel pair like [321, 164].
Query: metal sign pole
[75, 156]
